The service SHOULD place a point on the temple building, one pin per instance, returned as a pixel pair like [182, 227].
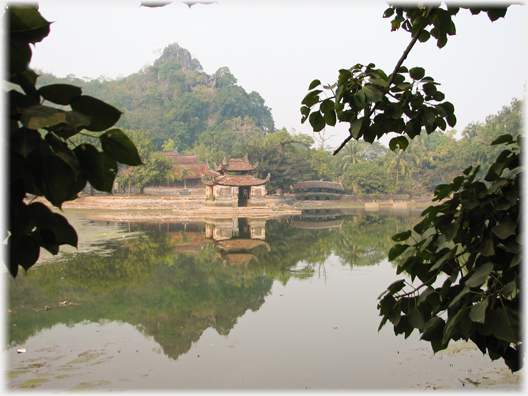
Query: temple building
[192, 165]
[232, 185]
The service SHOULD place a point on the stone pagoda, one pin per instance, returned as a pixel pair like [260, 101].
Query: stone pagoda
[232, 185]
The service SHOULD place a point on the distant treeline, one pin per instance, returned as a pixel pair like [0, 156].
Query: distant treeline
[175, 104]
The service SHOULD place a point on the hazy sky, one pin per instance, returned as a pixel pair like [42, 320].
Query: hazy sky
[278, 47]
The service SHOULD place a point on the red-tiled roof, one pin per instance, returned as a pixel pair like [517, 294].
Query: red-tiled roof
[197, 169]
[236, 165]
[239, 181]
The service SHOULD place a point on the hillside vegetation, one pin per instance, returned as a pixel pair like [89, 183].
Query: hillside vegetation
[174, 99]
[173, 104]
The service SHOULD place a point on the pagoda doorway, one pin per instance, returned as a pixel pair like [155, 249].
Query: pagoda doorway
[243, 196]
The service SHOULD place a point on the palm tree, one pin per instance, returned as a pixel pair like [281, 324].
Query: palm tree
[184, 172]
[169, 176]
[398, 162]
[351, 154]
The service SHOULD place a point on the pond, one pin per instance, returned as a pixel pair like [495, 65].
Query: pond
[247, 304]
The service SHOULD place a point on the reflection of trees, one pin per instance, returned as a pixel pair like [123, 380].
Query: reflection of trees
[168, 296]
[174, 297]
[366, 240]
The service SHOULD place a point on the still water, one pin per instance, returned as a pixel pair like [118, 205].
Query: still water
[286, 303]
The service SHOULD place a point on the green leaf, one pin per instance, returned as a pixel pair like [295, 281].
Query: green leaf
[101, 114]
[62, 150]
[311, 98]
[388, 12]
[26, 24]
[314, 84]
[451, 120]
[504, 228]
[327, 106]
[355, 128]
[480, 275]
[495, 13]
[19, 56]
[24, 140]
[486, 247]
[330, 118]
[433, 329]
[359, 99]
[413, 128]
[41, 215]
[400, 142]
[24, 253]
[61, 94]
[402, 236]
[65, 234]
[52, 176]
[117, 145]
[36, 117]
[417, 73]
[372, 94]
[478, 311]
[74, 123]
[506, 325]
[317, 121]
[459, 296]
[386, 305]
[416, 318]
[424, 36]
[446, 257]
[395, 287]
[450, 328]
[109, 172]
[396, 251]
[91, 164]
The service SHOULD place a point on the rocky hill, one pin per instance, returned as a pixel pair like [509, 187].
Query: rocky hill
[174, 99]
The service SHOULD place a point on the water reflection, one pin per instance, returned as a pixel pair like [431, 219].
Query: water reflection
[173, 281]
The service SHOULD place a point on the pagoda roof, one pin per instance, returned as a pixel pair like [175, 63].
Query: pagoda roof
[236, 181]
[236, 165]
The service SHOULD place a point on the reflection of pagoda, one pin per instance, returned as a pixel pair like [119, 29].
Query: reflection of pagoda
[236, 238]
[233, 186]
[314, 219]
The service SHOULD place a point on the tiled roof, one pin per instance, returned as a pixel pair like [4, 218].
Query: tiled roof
[197, 169]
[236, 165]
[239, 181]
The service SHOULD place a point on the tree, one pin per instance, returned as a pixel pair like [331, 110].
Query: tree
[169, 145]
[287, 163]
[470, 243]
[350, 155]
[183, 172]
[154, 169]
[470, 240]
[43, 161]
[367, 178]
[321, 163]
